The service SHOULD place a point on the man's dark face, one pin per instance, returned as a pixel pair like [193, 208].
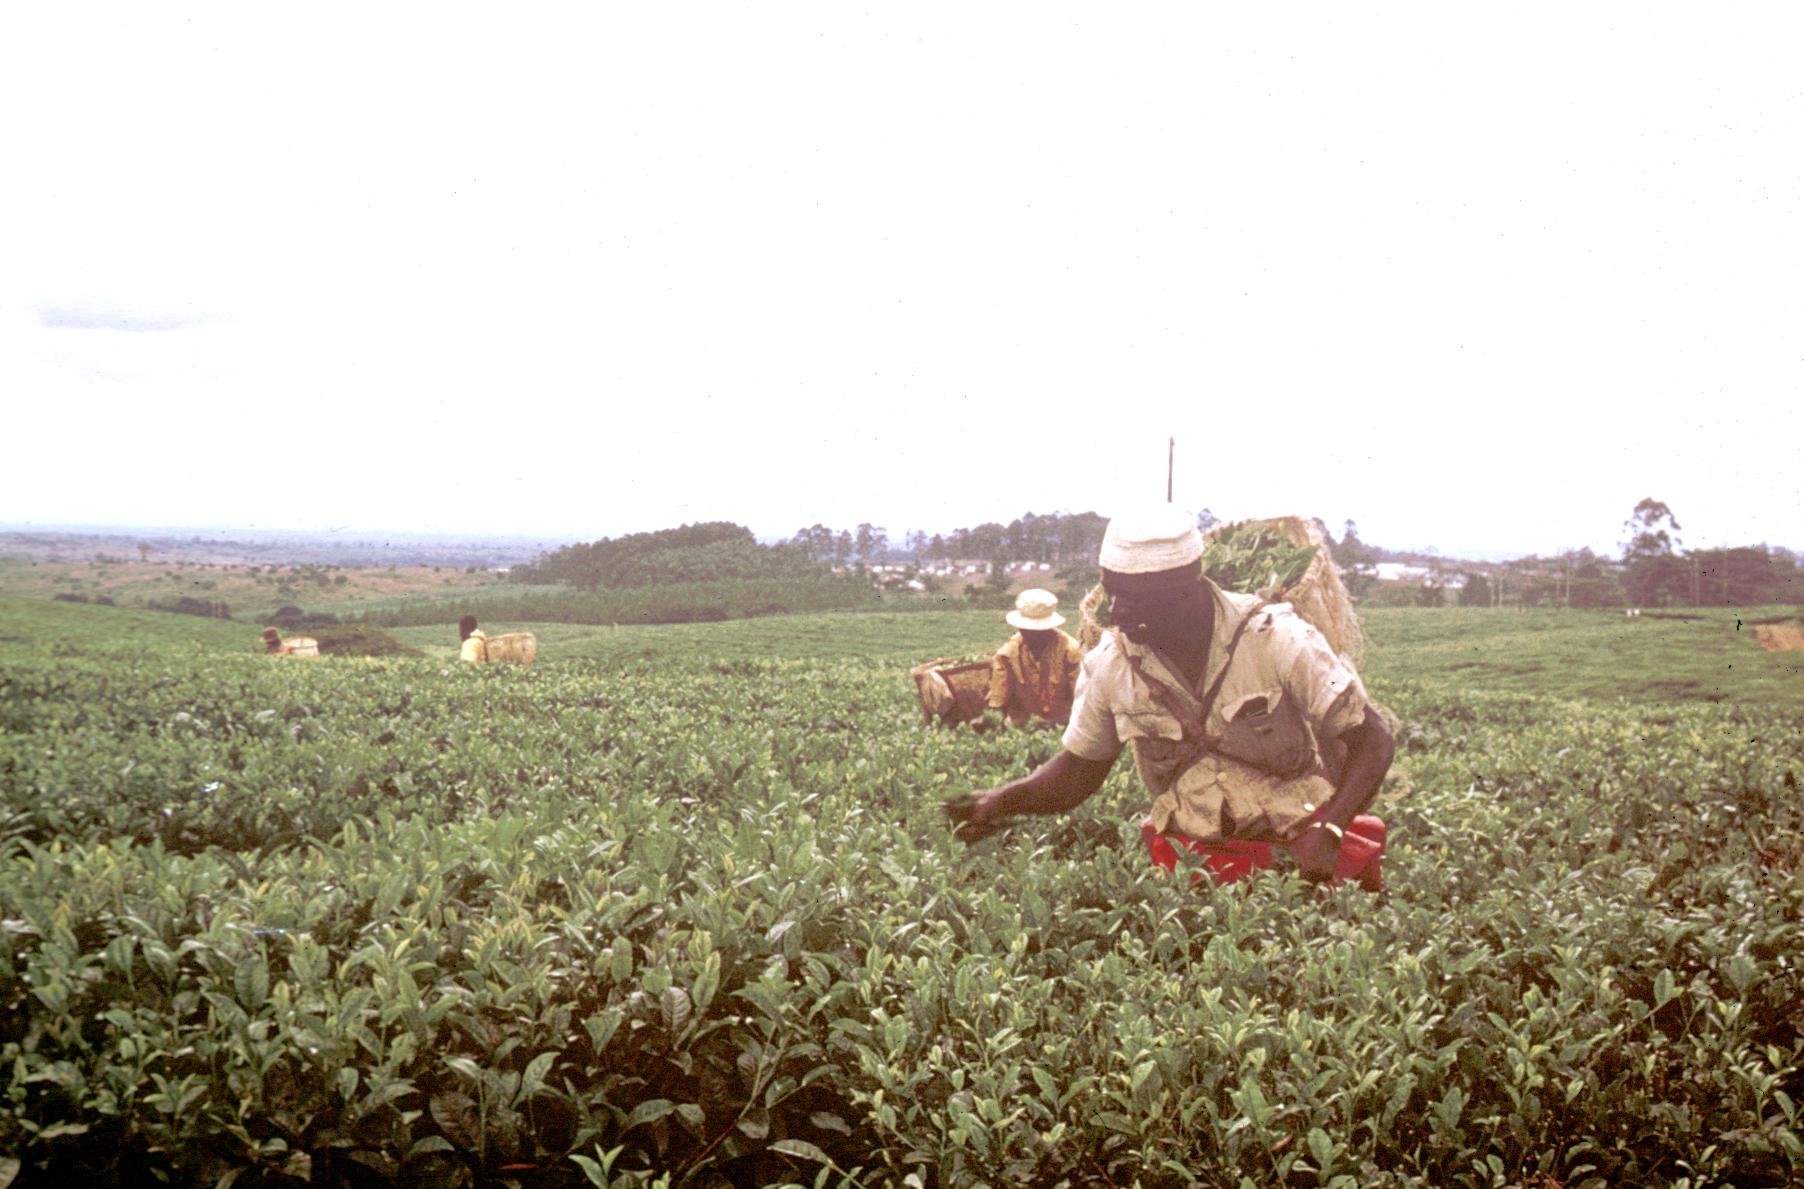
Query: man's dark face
[1156, 610]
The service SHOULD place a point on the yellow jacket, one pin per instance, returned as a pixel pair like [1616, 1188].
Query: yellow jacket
[1024, 686]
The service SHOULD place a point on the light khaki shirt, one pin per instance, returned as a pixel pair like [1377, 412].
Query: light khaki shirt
[1269, 753]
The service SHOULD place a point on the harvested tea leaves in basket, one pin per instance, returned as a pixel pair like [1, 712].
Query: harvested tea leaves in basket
[1274, 559]
[1246, 557]
[1254, 558]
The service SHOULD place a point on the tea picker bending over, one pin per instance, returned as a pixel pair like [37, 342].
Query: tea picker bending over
[474, 645]
[275, 645]
[1252, 734]
[1034, 675]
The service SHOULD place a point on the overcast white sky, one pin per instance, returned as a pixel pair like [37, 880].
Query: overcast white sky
[1477, 278]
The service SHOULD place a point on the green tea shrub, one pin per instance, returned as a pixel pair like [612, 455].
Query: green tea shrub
[696, 919]
[292, 619]
[681, 602]
[358, 640]
[188, 605]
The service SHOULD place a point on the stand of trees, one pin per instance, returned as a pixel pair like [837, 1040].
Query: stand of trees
[818, 543]
[693, 553]
[1058, 538]
[1653, 571]
[1656, 573]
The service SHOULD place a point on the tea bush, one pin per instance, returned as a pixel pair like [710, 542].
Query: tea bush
[674, 602]
[389, 921]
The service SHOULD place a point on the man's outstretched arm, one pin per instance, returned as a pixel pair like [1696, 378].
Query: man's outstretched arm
[1060, 784]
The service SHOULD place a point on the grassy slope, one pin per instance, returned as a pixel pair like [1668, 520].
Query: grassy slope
[43, 626]
[246, 589]
[1586, 654]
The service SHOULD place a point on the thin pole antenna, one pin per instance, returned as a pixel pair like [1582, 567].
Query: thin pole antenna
[1171, 450]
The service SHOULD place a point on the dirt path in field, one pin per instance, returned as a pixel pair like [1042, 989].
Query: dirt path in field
[1781, 637]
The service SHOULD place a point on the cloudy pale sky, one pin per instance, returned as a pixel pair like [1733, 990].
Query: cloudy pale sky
[1476, 278]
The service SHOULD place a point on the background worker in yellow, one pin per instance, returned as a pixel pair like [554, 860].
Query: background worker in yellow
[473, 646]
[1247, 728]
[1034, 675]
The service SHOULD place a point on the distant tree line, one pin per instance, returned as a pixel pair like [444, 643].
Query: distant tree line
[818, 543]
[707, 552]
[1657, 573]
[1653, 571]
[1057, 538]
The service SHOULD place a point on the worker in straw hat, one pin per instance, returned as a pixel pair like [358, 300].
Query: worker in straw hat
[1254, 737]
[1034, 675]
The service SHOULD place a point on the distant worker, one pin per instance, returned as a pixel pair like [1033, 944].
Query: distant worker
[274, 645]
[475, 645]
[1252, 734]
[1033, 676]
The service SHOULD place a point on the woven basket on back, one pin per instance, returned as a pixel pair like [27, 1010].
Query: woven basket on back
[515, 648]
[1317, 596]
[951, 690]
[295, 646]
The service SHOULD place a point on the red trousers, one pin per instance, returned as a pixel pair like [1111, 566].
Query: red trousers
[1361, 853]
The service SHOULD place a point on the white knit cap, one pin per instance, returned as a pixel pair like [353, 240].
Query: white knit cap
[1147, 540]
[1035, 611]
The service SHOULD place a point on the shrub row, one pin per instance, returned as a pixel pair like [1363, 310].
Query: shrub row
[687, 602]
[392, 923]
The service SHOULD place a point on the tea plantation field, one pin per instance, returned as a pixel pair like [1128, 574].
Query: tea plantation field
[677, 906]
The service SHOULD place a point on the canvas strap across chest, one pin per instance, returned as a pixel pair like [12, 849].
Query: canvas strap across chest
[1195, 723]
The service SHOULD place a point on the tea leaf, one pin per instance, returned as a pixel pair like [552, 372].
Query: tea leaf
[649, 1111]
[675, 1007]
[801, 1149]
